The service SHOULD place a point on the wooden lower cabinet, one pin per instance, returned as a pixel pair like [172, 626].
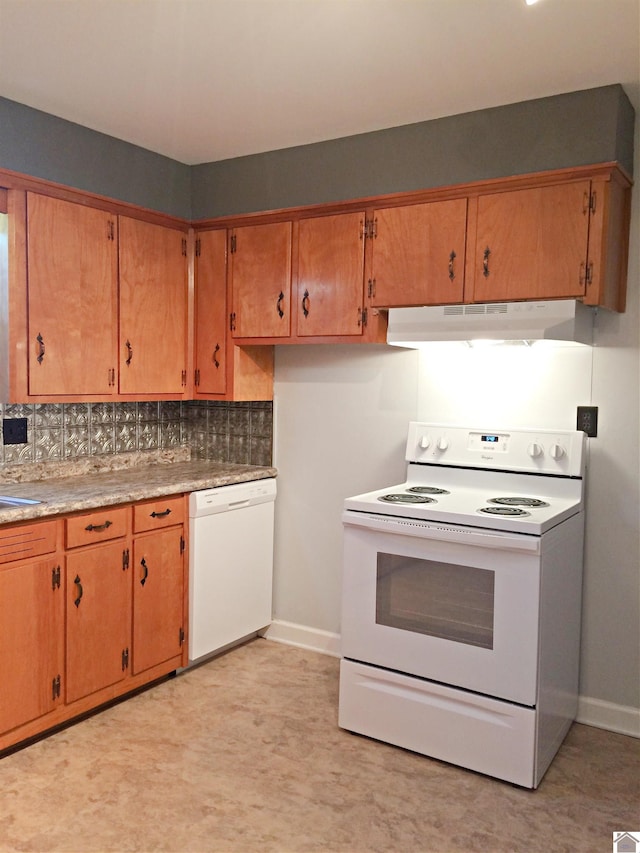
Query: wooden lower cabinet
[98, 624]
[32, 641]
[83, 624]
[158, 625]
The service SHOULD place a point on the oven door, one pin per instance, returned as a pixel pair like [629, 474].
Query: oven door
[453, 604]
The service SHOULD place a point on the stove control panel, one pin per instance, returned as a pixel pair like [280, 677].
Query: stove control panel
[559, 452]
[495, 442]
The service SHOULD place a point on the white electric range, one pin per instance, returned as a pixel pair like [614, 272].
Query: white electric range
[462, 599]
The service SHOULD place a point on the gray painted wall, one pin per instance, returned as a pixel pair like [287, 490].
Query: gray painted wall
[578, 128]
[44, 146]
[575, 129]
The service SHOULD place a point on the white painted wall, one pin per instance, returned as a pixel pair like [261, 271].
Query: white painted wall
[340, 423]
[340, 419]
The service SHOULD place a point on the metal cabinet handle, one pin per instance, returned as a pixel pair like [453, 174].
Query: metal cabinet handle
[279, 305]
[215, 354]
[485, 262]
[78, 599]
[143, 579]
[162, 514]
[452, 272]
[129, 353]
[40, 341]
[305, 303]
[93, 527]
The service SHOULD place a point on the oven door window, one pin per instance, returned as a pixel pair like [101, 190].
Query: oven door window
[438, 599]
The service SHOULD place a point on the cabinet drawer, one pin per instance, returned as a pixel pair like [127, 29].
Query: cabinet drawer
[163, 512]
[97, 526]
[22, 541]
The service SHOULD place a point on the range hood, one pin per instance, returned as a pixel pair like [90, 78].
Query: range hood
[563, 320]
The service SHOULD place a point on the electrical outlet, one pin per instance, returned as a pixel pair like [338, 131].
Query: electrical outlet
[587, 420]
[14, 430]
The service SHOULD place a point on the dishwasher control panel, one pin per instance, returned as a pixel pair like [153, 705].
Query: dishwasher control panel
[233, 496]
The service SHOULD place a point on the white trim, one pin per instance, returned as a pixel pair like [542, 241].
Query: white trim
[623, 719]
[304, 637]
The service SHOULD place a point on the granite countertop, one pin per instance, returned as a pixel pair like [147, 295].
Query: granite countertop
[61, 491]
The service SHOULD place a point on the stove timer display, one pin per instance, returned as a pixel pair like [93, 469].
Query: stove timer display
[493, 441]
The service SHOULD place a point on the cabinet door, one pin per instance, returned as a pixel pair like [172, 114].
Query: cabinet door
[158, 597]
[211, 312]
[153, 308]
[419, 254]
[330, 275]
[532, 243]
[260, 270]
[98, 618]
[32, 641]
[72, 298]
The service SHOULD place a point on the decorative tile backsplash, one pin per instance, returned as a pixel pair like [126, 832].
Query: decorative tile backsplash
[241, 433]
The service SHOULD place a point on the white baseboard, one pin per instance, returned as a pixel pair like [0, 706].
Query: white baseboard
[592, 712]
[623, 719]
[304, 637]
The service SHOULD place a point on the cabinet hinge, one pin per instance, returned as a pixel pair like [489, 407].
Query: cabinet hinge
[592, 202]
[371, 288]
[184, 378]
[196, 377]
[589, 273]
[55, 688]
[55, 578]
[125, 659]
[181, 636]
[362, 317]
[184, 247]
[125, 559]
[371, 228]
[111, 234]
[182, 544]
[198, 247]
[233, 244]
[232, 321]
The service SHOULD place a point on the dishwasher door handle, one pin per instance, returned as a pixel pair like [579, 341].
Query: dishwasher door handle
[236, 504]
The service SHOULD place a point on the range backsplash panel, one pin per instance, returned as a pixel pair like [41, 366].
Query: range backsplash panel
[240, 433]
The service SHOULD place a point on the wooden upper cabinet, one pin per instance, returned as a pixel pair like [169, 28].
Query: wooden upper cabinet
[153, 309]
[260, 276]
[330, 275]
[210, 312]
[72, 265]
[419, 254]
[531, 243]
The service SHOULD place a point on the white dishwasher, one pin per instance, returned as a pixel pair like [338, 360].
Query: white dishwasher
[230, 564]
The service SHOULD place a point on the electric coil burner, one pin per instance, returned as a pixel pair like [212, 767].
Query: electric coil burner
[405, 498]
[511, 511]
[461, 612]
[533, 502]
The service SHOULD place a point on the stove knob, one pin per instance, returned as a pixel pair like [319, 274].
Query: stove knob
[425, 441]
[556, 451]
[534, 450]
[443, 443]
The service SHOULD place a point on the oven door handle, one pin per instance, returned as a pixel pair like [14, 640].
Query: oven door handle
[457, 535]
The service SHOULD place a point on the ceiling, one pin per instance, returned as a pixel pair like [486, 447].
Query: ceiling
[205, 80]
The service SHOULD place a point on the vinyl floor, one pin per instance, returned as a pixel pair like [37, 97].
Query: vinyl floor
[244, 754]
